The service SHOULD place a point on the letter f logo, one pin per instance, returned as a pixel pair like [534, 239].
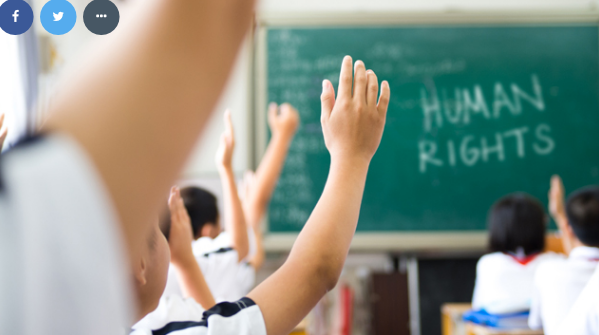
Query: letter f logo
[16, 15]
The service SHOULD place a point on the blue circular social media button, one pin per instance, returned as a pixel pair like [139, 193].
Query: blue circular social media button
[58, 17]
[16, 17]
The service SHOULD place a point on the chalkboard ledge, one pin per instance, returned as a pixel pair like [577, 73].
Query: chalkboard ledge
[395, 241]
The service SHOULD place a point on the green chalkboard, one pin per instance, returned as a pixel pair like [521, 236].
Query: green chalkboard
[476, 112]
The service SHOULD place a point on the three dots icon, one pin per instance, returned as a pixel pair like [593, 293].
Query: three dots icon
[101, 17]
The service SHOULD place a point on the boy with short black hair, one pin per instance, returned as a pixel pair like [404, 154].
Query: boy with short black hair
[225, 257]
[559, 282]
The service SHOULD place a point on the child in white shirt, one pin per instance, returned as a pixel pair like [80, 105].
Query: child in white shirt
[558, 282]
[224, 257]
[583, 318]
[504, 278]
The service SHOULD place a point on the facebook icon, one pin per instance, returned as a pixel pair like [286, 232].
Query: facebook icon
[16, 17]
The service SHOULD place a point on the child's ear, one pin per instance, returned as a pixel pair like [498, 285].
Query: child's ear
[140, 273]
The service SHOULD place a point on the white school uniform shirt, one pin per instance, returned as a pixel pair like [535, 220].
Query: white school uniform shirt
[583, 318]
[186, 317]
[557, 285]
[503, 285]
[62, 263]
[227, 278]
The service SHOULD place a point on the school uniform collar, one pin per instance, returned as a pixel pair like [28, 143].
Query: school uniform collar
[584, 253]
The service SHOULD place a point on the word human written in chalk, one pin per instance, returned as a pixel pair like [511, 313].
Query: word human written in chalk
[469, 106]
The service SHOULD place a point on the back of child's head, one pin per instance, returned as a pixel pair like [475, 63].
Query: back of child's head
[517, 223]
[582, 210]
[201, 207]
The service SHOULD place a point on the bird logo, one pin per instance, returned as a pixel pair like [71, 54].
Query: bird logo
[57, 17]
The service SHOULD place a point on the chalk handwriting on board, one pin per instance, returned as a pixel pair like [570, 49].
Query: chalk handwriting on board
[467, 106]
[470, 150]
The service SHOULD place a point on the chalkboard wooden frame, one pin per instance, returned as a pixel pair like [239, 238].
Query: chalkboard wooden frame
[387, 241]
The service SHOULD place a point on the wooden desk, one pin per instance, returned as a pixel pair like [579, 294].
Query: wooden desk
[553, 242]
[453, 324]
[473, 329]
[451, 318]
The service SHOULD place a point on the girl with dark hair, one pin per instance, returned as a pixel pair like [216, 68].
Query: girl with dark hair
[504, 277]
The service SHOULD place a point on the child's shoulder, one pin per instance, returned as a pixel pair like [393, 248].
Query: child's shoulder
[172, 308]
[493, 258]
[551, 256]
[205, 245]
[550, 262]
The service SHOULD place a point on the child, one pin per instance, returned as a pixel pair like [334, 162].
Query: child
[222, 256]
[558, 282]
[517, 238]
[352, 127]
[150, 276]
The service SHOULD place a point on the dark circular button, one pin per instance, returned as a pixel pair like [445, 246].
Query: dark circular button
[101, 17]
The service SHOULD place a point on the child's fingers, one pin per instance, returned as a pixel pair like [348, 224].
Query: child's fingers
[3, 136]
[327, 99]
[1, 120]
[172, 204]
[384, 98]
[272, 112]
[228, 122]
[286, 109]
[229, 127]
[372, 88]
[359, 95]
[345, 78]
[556, 182]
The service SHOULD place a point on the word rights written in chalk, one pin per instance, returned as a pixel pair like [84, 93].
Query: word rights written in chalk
[463, 107]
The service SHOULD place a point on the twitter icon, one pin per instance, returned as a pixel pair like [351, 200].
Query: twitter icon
[58, 17]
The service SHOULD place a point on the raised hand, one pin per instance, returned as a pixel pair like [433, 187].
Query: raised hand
[190, 275]
[3, 133]
[180, 236]
[284, 123]
[224, 154]
[556, 199]
[353, 123]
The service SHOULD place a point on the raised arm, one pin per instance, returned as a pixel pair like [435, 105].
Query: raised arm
[190, 275]
[557, 209]
[352, 126]
[3, 132]
[235, 223]
[138, 104]
[282, 127]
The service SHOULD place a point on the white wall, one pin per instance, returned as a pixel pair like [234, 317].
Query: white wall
[285, 6]
[236, 95]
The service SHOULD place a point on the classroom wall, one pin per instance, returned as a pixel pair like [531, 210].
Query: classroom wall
[68, 50]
